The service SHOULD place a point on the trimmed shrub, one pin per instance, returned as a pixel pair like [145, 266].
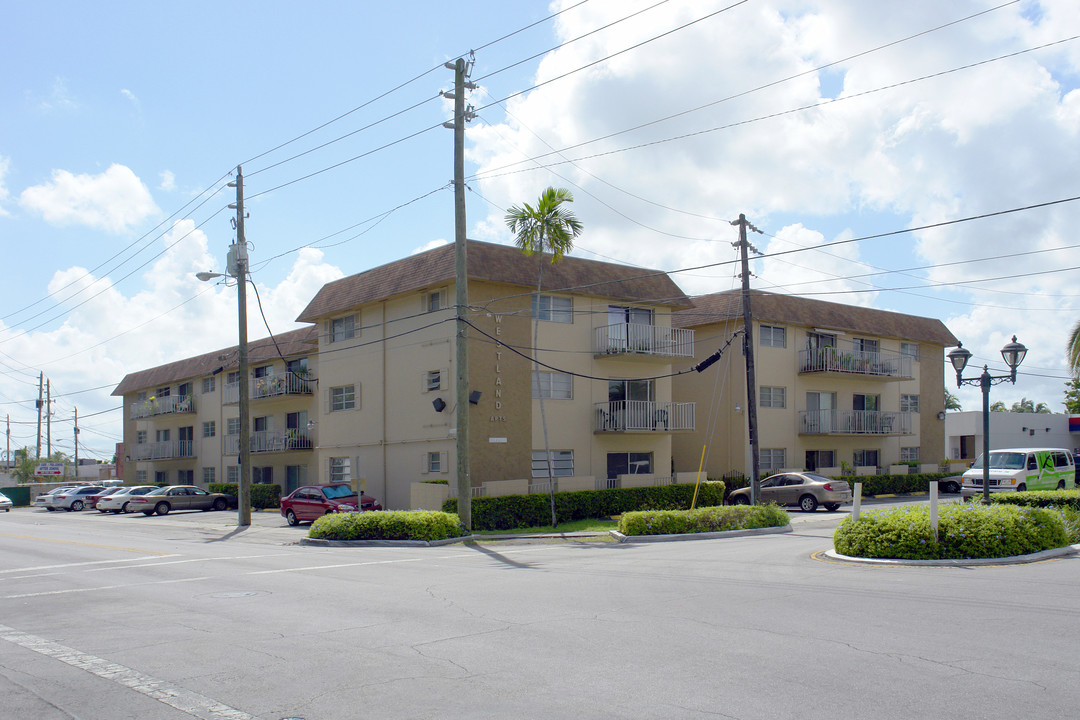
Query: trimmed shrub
[262, 496]
[387, 525]
[512, 512]
[1038, 498]
[705, 519]
[895, 484]
[965, 530]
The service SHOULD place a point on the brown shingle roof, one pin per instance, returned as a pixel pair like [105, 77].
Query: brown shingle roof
[773, 307]
[495, 263]
[296, 342]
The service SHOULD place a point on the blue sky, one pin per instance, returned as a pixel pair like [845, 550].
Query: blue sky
[114, 117]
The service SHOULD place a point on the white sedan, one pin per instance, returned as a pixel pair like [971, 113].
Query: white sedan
[5, 503]
[73, 499]
[118, 502]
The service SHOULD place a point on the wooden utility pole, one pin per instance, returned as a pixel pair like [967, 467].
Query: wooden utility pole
[240, 256]
[48, 419]
[40, 381]
[748, 351]
[76, 443]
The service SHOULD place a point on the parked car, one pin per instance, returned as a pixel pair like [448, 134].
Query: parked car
[120, 502]
[177, 497]
[950, 484]
[5, 503]
[92, 501]
[309, 502]
[805, 490]
[43, 499]
[73, 499]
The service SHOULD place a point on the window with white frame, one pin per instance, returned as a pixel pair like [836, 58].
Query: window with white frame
[434, 462]
[209, 429]
[773, 397]
[140, 477]
[161, 477]
[435, 300]
[556, 385]
[910, 349]
[140, 396]
[342, 328]
[562, 464]
[340, 469]
[232, 474]
[865, 458]
[208, 384]
[232, 426]
[233, 377]
[208, 475]
[140, 437]
[342, 398]
[161, 435]
[909, 454]
[773, 336]
[263, 371]
[553, 308]
[865, 345]
[772, 460]
[433, 380]
[909, 403]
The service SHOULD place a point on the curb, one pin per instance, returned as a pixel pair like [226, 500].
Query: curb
[958, 562]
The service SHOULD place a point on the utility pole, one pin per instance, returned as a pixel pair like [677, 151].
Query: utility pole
[40, 380]
[8, 443]
[238, 263]
[748, 351]
[76, 443]
[48, 419]
[461, 283]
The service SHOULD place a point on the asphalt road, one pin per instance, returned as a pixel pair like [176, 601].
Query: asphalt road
[107, 617]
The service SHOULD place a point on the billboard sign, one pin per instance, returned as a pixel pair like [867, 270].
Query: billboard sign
[49, 469]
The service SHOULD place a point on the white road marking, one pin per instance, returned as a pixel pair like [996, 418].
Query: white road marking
[101, 587]
[180, 698]
[81, 564]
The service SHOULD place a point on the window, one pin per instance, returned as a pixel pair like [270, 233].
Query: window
[435, 462]
[343, 398]
[161, 435]
[232, 474]
[208, 384]
[909, 454]
[772, 460]
[342, 328]
[864, 345]
[209, 428]
[818, 459]
[562, 463]
[233, 377]
[264, 371]
[772, 336]
[232, 426]
[140, 437]
[140, 477]
[435, 300]
[339, 470]
[262, 475]
[298, 366]
[185, 477]
[260, 424]
[433, 380]
[773, 397]
[208, 475]
[140, 397]
[553, 308]
[865, 458]
[295, 476]
[910, 349]
[909, 403]
[161, 477]
[162, 392]
[628, 464]
[817, 341]
[866, 402]
[557, 385]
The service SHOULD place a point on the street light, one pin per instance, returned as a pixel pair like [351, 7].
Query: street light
[1013, 354]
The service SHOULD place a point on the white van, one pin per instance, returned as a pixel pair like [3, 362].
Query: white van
[1022, 469]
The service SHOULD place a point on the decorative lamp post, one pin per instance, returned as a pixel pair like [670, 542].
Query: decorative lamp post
[1013, 354]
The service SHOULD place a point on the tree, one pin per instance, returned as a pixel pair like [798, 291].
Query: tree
[951, 401]
[547, 228]
[1072, 349]
[998, 406]
[1023, 405]
[1072, 395]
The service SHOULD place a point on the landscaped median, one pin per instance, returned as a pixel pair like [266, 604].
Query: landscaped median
[1012, 525]
[702, 520]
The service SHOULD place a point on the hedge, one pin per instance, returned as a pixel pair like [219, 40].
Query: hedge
[387, 525]
[965, 530]
[1038, 498]
[511, 512]
[263, 496]
[699, 520]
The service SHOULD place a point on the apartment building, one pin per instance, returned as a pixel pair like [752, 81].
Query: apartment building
[368, 389]
[182, 419]
[838, 386]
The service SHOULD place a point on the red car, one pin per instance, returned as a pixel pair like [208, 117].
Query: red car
[310, 502]
[93, 499]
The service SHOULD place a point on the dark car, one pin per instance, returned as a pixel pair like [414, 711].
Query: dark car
[177, 497]
[310, 502]
[806, 490]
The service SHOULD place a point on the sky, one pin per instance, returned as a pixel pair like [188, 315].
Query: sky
[917, 157]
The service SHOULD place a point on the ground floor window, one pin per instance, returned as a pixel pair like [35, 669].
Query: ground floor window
[295, 476]
[628, 464]
[262, 475]
[817, 459]
[909, 454]
[232, 474]
[772, 460]
[185, 477]
[140, 477]
[209, 475]
[339, 469]
[562, 463]
[161, 477]
[865, 458]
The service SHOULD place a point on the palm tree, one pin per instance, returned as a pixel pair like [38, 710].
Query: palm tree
[547, 228]
[951, 401]
[1072, 349]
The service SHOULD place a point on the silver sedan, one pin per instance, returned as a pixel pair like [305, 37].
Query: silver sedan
[178, 497]
[804, 490]
[120, 502]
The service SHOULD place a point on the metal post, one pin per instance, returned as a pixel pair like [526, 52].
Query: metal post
[984, 383]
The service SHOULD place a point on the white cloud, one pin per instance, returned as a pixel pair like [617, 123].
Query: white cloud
[168, 181]
[430, 246]
[59, 98]
[130, 96]
[114, 200]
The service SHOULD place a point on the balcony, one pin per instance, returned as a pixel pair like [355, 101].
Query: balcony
[162, 406]
[643, 416]
[635, 340]
[266, 441]
[268, 387]
[854, 422]
[881, 364]
[164, 450]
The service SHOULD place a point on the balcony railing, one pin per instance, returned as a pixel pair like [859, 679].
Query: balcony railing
[162, 406]
[270, 386]
[854, 422]
[637, 339]
[643, 416]
[881, 363]
[263, 441]
[164, 450]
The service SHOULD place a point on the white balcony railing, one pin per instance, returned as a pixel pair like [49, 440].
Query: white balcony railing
[271, 441]
[269, 386]
[162, 406]
[638, 339]
[164, 450]
[643, 416]
[881, 363]
[854, 422]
